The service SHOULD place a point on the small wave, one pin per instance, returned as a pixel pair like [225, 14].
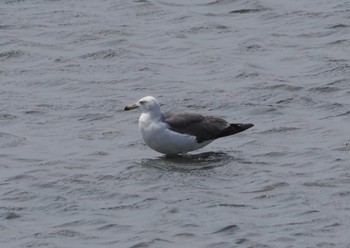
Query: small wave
[322, 183]
[184, 235]
[227, 229]
[344, 114]
[10, 216]
[93, 117]
[279, 85]
[280, 130]
[247, 11]
[151, 243]
[7, 117]
[304, 101]
[337, 70]
[230, 205]
[114, 227]
[67, 233]
[339, 82]
[286, 87]
[106, 54]
[324, 89]
[339, 42]
[208, 28]
[9, 140]
[272, 154]
[337, 26]
[268, 188]
[11, 54]
[189, 162]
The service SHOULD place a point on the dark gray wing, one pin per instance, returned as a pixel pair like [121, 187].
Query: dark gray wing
[204, 128]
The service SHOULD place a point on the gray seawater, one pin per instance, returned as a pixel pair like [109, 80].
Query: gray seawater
[76, 173]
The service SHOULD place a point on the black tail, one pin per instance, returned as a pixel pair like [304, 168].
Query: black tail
[234, 128]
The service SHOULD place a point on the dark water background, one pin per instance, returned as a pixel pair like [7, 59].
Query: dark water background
[76, 173]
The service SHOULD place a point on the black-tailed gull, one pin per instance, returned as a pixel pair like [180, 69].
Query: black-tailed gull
[171, 134]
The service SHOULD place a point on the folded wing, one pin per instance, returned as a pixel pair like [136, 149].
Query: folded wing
[204, 128]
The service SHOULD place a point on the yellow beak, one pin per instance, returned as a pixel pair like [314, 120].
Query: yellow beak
[130, 107]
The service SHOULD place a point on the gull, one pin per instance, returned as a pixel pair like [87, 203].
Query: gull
[179, 133]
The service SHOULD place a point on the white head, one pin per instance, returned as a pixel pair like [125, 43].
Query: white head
[146, 104]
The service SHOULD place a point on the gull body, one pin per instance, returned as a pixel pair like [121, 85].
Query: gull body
[161, 139]
[173, 134]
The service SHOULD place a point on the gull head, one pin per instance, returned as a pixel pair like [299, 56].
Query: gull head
[146, 105]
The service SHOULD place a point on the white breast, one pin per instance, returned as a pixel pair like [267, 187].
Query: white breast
[159, 137]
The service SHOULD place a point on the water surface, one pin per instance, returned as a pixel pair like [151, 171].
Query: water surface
[76, 173]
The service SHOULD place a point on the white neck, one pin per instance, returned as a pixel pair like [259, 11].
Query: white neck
[147, 118]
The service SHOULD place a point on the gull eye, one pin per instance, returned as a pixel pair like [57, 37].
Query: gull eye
[142, 102]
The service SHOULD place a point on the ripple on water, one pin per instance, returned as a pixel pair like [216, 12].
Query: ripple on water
[189, 162]
[13, 54]
[230, 229]
[5, 117]
[9, 140]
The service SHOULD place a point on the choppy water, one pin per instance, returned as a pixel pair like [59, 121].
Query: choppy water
[76, 173]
